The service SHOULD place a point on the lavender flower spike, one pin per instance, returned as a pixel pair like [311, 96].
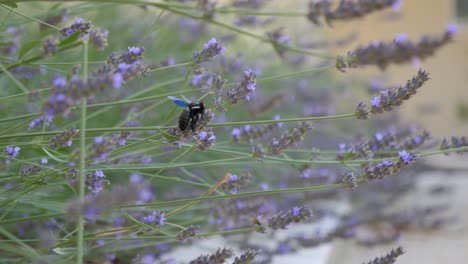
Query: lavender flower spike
[244, 90]
[390, 98]
[211, 49]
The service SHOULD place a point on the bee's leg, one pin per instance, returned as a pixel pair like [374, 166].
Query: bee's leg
[194, 121]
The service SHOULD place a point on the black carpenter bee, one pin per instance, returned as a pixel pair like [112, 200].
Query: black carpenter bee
[190, 115]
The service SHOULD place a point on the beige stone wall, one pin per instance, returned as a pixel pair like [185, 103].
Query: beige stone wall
[435, 105]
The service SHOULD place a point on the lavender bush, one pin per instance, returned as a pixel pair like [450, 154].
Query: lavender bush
[95, 169]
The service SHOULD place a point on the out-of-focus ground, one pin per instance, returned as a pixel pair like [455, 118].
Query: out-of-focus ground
[447, 245]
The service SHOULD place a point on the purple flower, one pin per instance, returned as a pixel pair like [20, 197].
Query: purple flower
[375, 101]
[155, 218]
[39, 120]
[387, 163]
[244, 90]
[79, 20]
[452, 28]
[295, 211]
[123, 67]
[148, 259]
[91, 213]
[59, 81]
[396, 6]
[134, 50]
[406, 157]
[44, 161]
[236, 132]
[211, 49]
[99, 174]
[136, 178]
[117, 80]
[95, 181]
[12, 151]
[233, 178]
[203, 135]
[78, 26]
[379, 136]
[278, 117]
[401, 37]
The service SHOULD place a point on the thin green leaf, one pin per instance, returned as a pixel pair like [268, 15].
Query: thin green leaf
[167, 135]
[28, 46]
[9, 3]
[70, 39]
[49, 154]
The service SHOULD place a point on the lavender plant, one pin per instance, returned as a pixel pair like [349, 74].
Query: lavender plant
[94, 168]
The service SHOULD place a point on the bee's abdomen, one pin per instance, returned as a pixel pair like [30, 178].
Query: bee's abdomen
[184, 119]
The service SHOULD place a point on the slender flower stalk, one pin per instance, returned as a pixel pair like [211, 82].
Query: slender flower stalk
[390, 98]
[387, 167]
[455, 142]
[389, 258]
[346, 10]
[219, 257]
[289, 138]
[400, 51]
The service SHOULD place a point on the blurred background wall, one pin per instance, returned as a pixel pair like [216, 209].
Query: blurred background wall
[441, 105]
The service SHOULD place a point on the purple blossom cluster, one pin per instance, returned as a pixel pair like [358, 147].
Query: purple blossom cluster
[29, 169]
[119, 69]
[49, 47]
[388, 167]
[211, 49]
[63, 139]
[390, 98]
[283, 219]
[39, 121]
[234, 183]
[205, 140]
[250, 133]
[219, 257]
[455, 142]
[346, 10]
[249, 20]
[258, 152]
[247, 257]
[95, 181]
[12, 151]
[349, 180]
[244, 90]
[79, 26]
[382, 141]
[99, 38]
[279, 41]
[102, 147]
[290, 138]
[217, 88]
[401, 50]
[155, 218]
[389, 258]
[188, 233]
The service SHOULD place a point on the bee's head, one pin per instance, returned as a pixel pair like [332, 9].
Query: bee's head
[197, 106]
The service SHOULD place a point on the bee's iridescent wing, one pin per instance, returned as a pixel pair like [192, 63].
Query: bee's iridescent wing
[179, 102]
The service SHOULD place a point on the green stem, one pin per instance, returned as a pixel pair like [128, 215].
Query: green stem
[13, 79]
[31, 18]
[245, 194]
[40, 56]
[81, 187]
